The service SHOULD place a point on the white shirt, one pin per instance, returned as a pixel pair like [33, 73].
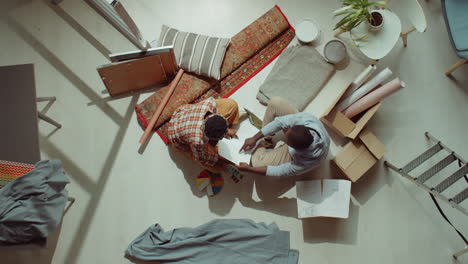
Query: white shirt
[302, 160]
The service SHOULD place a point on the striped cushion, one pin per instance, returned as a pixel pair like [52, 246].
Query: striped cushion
[195, 53]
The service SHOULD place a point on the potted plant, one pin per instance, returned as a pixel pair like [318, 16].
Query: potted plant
[355, 12]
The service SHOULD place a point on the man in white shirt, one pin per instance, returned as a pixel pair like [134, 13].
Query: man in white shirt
[306, 142]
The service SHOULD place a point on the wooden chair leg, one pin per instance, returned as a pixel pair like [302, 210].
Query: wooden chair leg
[43, 99]
[404, 35]
[48, 119]
[461, 252]
[455, 66]
[71, 202]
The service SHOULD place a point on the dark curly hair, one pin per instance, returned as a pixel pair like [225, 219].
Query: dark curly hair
[215, 127]
[300, 137]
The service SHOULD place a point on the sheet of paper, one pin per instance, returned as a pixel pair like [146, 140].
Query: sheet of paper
[229, 148]
[332, 201]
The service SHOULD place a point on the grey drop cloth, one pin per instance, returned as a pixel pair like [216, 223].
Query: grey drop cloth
[31, 206]
[297, 76]
[227, 241]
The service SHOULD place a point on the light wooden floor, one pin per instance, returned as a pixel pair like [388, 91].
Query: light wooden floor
[120, 192]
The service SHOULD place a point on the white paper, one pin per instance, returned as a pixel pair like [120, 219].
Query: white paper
[333, 201]
[360, 79]
[229, 148]
[365, 89]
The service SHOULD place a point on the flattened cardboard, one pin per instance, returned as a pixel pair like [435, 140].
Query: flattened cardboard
[133, 75]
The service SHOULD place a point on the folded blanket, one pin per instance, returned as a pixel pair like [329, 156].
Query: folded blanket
[297, 76]
[227, 241]
[243, 46]
[32, 206]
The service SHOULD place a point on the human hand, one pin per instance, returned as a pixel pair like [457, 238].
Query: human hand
[249, 143]
[243, 166]
[231, 133]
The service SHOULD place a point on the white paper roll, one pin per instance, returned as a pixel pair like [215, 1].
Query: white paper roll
[365, 89]
[360, 79]
[373, 97]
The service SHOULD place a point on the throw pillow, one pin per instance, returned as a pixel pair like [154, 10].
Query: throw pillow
[196, 53]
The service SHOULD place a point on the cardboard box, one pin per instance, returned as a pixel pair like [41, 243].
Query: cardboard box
[359, 155]
[344, 126]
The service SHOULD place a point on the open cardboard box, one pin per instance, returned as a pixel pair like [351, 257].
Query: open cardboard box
[344, 126]
[359, 155]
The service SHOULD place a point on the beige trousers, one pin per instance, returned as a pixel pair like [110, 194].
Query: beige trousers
[263, 157]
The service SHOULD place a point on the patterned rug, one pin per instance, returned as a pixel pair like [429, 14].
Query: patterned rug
[9, 171]
[250, 51]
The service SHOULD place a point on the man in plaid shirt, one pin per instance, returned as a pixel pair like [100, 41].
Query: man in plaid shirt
[195, 129]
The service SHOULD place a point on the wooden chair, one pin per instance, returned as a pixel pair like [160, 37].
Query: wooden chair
[415, 13]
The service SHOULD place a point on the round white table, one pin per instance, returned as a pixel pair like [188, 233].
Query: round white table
[377, 45]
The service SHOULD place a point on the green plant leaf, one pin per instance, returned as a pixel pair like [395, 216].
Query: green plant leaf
[362, 38]
[341, 9]
[343, 21]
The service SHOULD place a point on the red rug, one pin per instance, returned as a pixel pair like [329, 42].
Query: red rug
[250, 51]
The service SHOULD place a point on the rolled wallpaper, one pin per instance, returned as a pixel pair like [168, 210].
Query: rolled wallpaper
[360, 79]
[373, 97]
[365, 89]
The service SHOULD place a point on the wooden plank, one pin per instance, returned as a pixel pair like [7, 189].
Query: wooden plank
[161, 106]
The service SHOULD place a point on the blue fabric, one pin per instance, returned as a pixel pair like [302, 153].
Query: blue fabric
[222, 241]
[32, 206]
[463, 54]
[457, 22]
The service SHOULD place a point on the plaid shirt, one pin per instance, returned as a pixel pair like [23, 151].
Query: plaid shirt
[185, 131]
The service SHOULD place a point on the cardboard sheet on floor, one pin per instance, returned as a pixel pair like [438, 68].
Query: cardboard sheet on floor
[133, 75]
[327, 199]
[229, 148]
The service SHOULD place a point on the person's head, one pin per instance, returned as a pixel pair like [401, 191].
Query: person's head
[215, 127]
[299, 137]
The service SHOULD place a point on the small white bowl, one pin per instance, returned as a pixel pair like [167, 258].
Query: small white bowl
[307, 31]
[334, 51]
